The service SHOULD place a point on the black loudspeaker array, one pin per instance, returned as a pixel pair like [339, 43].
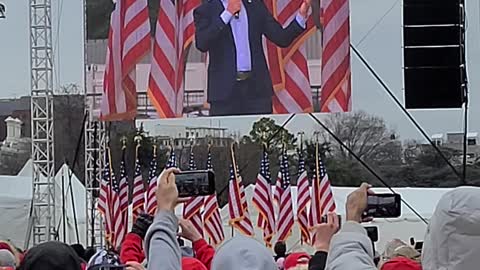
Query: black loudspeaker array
[434, 53]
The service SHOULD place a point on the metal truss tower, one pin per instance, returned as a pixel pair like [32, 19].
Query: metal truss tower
[95, 143]
[41, 64]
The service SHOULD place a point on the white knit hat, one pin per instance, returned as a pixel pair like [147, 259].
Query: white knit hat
[6, 258]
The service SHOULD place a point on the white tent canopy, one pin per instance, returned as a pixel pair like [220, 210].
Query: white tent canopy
[16, 199]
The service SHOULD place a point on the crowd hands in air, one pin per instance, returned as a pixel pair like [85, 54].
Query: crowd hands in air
[451, 242]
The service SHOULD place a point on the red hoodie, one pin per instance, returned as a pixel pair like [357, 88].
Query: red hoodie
[132, 251]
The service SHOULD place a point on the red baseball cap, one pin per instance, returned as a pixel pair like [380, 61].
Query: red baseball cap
[294, 259]
[401, 263]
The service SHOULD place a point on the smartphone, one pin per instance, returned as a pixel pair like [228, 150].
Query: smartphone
[324, 220]
[372, 232]
[195, 183]
[383, 206]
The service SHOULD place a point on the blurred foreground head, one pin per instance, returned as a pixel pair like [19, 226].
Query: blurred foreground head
[243, 253]
[52, 256]
[452, 240]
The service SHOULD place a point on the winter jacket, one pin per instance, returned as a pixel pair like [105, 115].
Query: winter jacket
[161, 244]
[132, 251]
[351, 249]
[243, 253]
[204, 252]
[192, 264]
[318, 261]
[452, 241]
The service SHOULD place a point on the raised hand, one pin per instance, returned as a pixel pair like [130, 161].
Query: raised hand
[234, 6]
[305, 8]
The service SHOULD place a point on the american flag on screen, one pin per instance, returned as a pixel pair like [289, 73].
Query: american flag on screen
[212, 220]
[237, 204]
[138, 197]
[336, 72]
[174, 35]
[192, 208]
[128, 42]
[151, 203]
[285, 208]
[303, 199]
[288, 67]
[322, 196]
[262, 199]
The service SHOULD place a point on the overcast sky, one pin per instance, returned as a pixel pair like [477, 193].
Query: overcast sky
[382, 48]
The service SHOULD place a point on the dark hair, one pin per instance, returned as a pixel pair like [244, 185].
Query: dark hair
[89, 252]
[80, 250]
[280, 248]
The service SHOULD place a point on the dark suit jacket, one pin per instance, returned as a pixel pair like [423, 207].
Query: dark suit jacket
[216, 38]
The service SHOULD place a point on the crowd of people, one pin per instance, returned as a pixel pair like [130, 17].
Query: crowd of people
[154, 243]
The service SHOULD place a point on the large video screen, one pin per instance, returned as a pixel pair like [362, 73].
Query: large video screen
[204, 61]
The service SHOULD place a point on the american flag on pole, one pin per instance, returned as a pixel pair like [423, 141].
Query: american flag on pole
[303, 199]
[212, 220]
[151, 203]
[174, 35]
[192, 208]
[172, 160]
[285, 208]
[104, 199]
[288, 67]
[322, 196]
[336, 71]
[123, 188]
[138, 197]
[237, 204]
[128, 42]
[119, 228]
[262, 199]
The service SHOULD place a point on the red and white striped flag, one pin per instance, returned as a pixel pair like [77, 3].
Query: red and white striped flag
[174, 35]
[128, 43]
[285, 208]
[336, 72]
[322, 196]
[123, 187]
[119, 224]
[151, 202]
[104, 199]
[262, 199]
[288, 67]
[212, 220]
[192, 208]
[303, 199]
[138, 197]
[237, 204]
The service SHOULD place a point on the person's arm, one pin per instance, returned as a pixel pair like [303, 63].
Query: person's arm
[132, 249]
[323, 234]
[275, 32]
[161, 246]
[351, 249]
[204, 252]
[207, 27]
[163, 251]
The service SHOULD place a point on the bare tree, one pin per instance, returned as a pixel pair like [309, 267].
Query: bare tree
[366, 135]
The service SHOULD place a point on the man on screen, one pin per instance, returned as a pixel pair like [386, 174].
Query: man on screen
[231, 32]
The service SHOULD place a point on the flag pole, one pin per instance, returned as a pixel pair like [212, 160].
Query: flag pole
[317, 168]
[300, 134]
